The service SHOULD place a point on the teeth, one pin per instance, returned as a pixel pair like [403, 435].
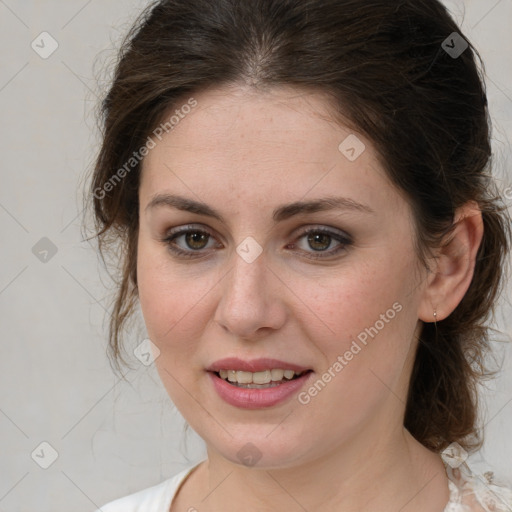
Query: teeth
[277, 374]
[264, 377]
[288, 374]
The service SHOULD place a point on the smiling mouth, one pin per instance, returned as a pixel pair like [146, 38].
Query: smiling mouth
[259, 380]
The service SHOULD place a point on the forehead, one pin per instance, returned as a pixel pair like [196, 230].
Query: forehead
[248, 118]
[282, 143]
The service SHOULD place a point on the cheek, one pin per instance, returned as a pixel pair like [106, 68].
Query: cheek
[171, 298]
[156, 296]
[367, 355]
[371, 315]
[352, 299]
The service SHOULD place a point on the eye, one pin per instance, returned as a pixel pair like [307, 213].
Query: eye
[321, 239]
[194, 241]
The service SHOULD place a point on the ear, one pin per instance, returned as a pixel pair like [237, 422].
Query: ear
[454, 266]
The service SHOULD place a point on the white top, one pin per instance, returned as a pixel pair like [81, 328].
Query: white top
[468, 492]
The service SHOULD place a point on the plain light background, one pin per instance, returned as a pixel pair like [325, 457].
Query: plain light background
[56, 385]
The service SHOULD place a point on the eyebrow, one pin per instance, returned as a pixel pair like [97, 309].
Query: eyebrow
[281, 213]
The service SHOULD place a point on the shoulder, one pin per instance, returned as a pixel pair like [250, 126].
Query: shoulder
[156, 498]
[472, 492]
[146, 499]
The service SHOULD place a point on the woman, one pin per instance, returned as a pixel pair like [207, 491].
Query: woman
[301, 195]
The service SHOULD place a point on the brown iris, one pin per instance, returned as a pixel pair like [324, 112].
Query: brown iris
[194, 238]
[319, 239]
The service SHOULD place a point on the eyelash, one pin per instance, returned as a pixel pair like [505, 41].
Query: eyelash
[344, 241]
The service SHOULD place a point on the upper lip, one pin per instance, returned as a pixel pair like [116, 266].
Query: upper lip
[254, 365]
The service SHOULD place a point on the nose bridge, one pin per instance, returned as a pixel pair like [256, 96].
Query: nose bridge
[245, 282]
[248, 302]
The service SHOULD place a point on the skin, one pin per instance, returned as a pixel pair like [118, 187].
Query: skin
[245, 153]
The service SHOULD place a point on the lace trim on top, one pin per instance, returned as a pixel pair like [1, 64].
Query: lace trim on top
[471, 492]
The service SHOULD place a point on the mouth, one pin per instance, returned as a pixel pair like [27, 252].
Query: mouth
[269, 378]
[257, 383]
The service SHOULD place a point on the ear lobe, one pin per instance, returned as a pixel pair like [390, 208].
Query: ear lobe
[455, 265]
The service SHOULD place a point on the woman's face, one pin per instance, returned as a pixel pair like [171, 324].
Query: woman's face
[334, 289]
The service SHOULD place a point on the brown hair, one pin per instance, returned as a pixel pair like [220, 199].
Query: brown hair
[391, 76]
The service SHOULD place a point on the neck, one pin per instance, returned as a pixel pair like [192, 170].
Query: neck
[379, 472]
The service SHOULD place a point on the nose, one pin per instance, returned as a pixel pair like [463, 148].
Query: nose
[252, 302]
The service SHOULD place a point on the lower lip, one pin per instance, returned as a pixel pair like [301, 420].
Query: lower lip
[247, 398]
